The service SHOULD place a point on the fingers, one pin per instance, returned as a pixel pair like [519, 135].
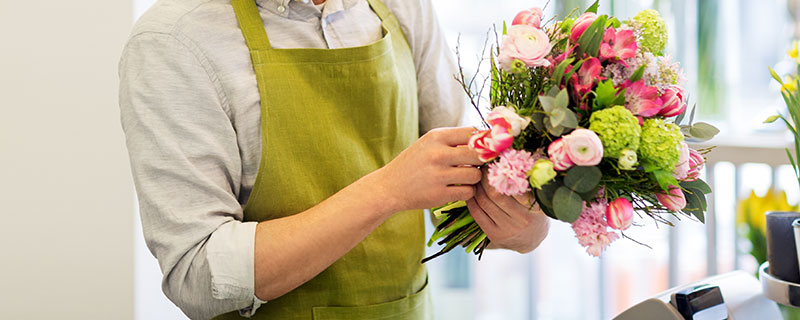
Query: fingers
[500, 216]
[463, 155]
[487, 224]
[462, 175]
[460, 193]
[453, 136]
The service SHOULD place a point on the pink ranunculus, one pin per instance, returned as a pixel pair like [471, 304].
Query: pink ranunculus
[674, 201]
[583, 81]
[531, 17]
[673, 102]
[525, 43]
[618, 45]
[642, 100]
[696, 163]
[581, 24]
[684, 165]
[490, 143]
[508, 175]
[557, 152]
[619, 214]
[584, 147]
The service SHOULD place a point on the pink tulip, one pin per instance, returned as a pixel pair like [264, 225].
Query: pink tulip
[581, 24]
[531, 17]
[525, 43]
[490, 143]
[584, 147]
[619, 214]
[682, 169]
[618, 45]
[587, 75]
[558, 155]
[696, 163]
[642, 100]
[673, 102]
[674, 201]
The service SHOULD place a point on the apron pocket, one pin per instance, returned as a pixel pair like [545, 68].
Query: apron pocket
[413, 307]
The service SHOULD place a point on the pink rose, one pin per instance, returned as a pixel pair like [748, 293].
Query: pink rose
[584, 147]
[696, 163]
[673, 102]
[490, 143]
[527, 44]
[618, 45]
[581, 24]
[683, 167]
[558, 155]
[531, 17]
[674, 201]
[619, 214]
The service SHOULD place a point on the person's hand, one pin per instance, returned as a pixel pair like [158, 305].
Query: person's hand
[437, 169]
[509, 222]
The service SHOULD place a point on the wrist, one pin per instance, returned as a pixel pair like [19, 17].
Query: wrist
[379, 195]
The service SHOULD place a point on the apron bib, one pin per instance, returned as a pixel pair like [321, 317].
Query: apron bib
[329, 117]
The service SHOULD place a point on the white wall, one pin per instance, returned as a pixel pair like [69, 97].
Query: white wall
[66, 199]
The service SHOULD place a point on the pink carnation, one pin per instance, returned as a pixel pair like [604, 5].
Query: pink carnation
[591, 228]
[508, 175]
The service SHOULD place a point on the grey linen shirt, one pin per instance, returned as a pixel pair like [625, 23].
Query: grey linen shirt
[190, 111]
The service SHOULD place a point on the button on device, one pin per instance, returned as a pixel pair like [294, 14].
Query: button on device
[281, 8]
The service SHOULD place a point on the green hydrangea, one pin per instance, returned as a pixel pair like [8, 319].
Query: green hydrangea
[652, 31]
[617, 128]
[660, 145]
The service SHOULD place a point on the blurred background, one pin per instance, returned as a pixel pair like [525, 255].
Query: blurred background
[71, 244]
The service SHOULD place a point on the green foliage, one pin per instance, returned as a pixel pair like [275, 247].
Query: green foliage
[567, 205]
[695, 203]
[593, 7]
[583, 179]
[617, 128]
[607, 96]
[558, 117]
[792, 100]
[589, 42]
[665, 179]
[638, 74]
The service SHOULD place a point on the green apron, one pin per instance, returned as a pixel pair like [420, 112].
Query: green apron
[329, 117]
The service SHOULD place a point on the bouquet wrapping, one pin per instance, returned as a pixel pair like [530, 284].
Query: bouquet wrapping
[586, 118]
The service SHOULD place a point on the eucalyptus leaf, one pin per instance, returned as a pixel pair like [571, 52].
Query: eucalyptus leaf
[557, 116]
[548, 103]
[703, 131]
[583, 179]
[680, 117]
[570, 119]
[546, 193]
[567, 205]
[691, 116]
[562, 99]
[537, 119]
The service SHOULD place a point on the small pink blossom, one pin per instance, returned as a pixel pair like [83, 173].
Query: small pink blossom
[581, 24]
[587, 76]
[684, 165]
[558, 155]
[673, 102]
[696, 164]
[531, 17]
[527, 44]
[508, 175]
[584, 147]
[490, 143]
[674, 201]
[619, 214]
[618, 45]
[591, 228]
[642, 100]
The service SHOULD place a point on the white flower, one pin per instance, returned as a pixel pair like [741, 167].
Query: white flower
[518, 123]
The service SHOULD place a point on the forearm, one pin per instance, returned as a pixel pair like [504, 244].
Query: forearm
[292, 250]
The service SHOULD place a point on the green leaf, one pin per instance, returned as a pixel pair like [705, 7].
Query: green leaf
[505, 30]
[638, 74]
[537, 119]
[691, 116]
[649, 166]
[703, 131]
[593, 7]
[588, 196]
[567, 205]
[679, 118]
[699, 185]
[574, 69]
[589, 42]
[605, 94]
[570, 120]
[694, 205]
[558, 72]
[613, 22]
[557, 116]
[554, 130]
[562, 99]
[548, 103]
[620, 100]
[775, 76]
[772, 119]
[665, 179]
[582, 179]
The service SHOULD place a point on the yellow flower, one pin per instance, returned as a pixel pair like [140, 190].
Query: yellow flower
[752, 211]
[790, 84]
[793, 52]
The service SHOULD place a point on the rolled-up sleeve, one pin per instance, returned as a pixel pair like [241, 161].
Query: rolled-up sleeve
[187, 169]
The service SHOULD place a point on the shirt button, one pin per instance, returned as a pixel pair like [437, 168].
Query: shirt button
[281, 9]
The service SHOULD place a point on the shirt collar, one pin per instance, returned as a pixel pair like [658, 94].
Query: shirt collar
[282, 7]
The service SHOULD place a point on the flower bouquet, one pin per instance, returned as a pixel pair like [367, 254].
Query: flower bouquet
[586, 117]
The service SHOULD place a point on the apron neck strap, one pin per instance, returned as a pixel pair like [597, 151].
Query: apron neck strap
[380, 9]
[251, 24]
